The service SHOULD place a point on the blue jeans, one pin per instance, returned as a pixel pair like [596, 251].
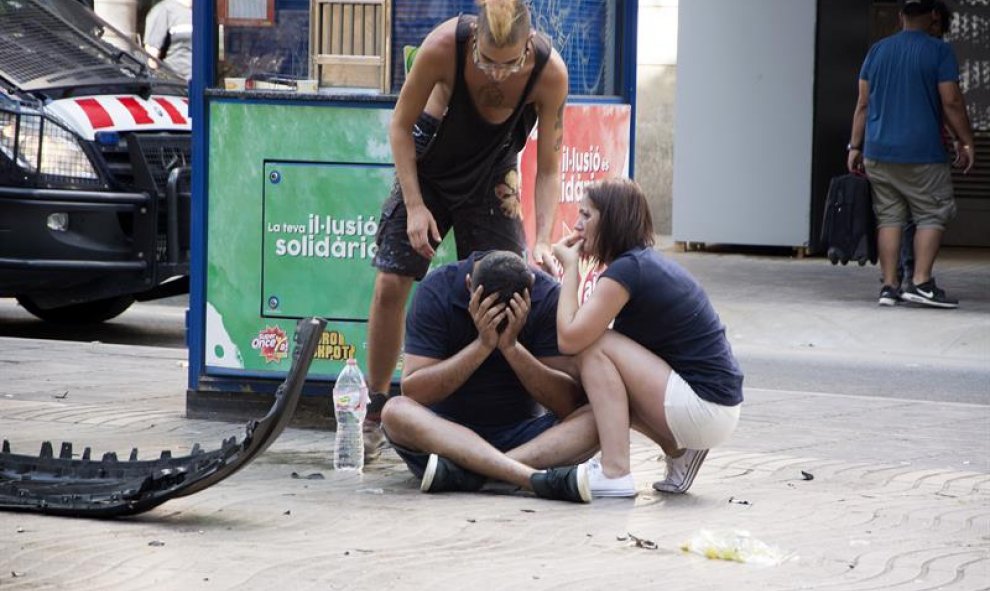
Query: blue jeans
[501, 437]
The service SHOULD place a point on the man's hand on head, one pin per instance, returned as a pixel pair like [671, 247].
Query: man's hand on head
[516, 313]
[487, 315]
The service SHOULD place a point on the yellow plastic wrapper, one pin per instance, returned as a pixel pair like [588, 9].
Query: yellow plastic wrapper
[734, 545]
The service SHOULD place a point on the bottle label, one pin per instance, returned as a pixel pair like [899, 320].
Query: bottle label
[353, 400]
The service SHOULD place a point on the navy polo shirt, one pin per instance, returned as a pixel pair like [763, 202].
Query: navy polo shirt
[904, 118]
[438, 326]
[669, 313]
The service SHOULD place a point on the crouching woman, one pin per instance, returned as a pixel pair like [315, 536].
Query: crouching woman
[665, 367]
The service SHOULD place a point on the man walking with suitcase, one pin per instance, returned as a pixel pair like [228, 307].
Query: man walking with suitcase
[907, 82]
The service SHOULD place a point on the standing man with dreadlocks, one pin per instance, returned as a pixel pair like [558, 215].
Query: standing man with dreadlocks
[478, 87]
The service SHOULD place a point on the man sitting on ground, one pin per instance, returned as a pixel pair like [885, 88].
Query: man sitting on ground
[485, 394]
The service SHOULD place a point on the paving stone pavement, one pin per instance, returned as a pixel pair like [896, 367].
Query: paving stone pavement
[899, 500]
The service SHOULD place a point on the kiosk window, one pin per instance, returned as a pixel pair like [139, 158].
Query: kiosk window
[246, 13]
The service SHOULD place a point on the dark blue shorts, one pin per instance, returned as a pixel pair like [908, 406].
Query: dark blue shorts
[502, 438]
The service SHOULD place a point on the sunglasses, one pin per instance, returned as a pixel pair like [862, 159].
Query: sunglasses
[489, 67]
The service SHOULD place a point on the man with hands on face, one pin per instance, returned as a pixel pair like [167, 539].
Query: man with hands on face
[486, 393]
[479, 85]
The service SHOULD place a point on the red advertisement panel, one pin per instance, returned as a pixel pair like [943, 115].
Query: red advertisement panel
[595, 147]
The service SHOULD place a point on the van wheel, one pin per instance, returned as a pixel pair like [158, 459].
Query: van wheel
[84, 313]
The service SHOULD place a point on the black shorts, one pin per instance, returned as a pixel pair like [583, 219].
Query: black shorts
[492, 221]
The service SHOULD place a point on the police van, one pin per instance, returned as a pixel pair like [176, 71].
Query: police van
[95, 145]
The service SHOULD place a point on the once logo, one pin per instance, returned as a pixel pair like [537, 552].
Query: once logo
[272, 344]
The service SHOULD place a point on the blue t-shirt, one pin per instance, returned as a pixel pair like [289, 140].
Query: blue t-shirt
[438, 326]
[904, 120]
[669, 314]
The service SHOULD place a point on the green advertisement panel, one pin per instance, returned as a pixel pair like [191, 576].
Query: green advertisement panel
[295, 196]
[318, 226]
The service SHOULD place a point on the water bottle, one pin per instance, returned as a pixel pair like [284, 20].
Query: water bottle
[350, 398]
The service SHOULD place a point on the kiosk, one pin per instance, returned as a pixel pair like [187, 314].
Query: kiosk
[291, 101]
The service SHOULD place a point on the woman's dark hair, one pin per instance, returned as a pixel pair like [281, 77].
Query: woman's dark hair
[624, 219]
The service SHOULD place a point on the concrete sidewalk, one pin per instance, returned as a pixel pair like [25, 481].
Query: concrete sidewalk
[803, 324]
[900, 496]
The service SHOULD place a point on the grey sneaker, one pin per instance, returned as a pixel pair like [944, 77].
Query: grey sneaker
[374, 440]
[888, 296]
[929, 294]
[442, 475]
[567, 483]
[681, 471]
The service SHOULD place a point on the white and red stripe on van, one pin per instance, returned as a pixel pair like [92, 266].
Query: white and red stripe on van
[122, 113]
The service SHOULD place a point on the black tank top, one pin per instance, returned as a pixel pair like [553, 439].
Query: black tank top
[467, 151]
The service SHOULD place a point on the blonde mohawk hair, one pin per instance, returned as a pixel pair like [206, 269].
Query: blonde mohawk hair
[503, 22]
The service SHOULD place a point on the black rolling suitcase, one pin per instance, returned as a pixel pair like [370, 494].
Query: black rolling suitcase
[849, 230]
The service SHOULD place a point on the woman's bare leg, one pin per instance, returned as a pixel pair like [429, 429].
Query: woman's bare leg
[623, 379]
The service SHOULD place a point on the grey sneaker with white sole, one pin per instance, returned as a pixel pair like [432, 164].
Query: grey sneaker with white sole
[681, 471]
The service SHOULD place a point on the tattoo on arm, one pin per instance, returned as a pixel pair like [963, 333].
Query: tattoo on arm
[558, 127]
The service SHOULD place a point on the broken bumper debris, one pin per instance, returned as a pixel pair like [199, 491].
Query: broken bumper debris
[108, 487]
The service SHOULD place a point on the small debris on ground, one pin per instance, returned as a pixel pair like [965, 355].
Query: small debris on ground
[61, 396]
[16, 574]
[156, 543]
[807, 475]
[736, 501]
[638, 542]
[528, 510]
[371, 491]
[313, 476]
[20, 530]
[287, 512]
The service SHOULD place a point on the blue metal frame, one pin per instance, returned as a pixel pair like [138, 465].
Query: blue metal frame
[204, 73]
[630, 28]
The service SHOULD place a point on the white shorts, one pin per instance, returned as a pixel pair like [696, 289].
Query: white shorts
[695, 422]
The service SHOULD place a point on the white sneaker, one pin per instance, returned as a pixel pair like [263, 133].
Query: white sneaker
[603, 486]
[681, 471]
